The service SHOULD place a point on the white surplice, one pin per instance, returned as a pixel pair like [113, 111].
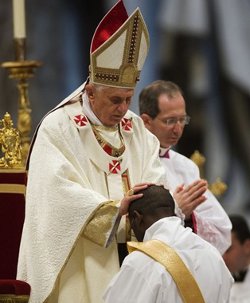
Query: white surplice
[240, 291]
[143, 280]
[212, 222]
[71, 203]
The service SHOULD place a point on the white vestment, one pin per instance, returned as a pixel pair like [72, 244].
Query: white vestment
[73, 190]
[212, 222]
[143, 280]
[240, 291]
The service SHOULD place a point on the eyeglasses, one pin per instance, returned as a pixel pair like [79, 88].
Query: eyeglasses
[174, 120]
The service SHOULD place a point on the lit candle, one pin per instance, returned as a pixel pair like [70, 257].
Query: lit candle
[19, 19]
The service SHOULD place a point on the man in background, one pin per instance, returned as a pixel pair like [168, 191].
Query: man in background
[146, 275]
[237, 259]
[163, 110]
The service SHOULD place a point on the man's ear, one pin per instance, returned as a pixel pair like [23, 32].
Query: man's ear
[147, 120]
[247, 246]
[137, 216]
[90, 91]
[135, 219]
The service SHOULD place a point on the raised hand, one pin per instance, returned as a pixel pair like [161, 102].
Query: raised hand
[190, 196]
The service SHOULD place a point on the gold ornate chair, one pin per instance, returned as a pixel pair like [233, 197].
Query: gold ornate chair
[218, 188]
[12, 211]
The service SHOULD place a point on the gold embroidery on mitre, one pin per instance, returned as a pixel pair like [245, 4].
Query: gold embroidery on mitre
[129, 74]
[119, 60]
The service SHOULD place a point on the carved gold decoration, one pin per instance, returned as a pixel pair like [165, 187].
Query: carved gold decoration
[10, 144]
[199, 160]
[21, 70]
[218, 187]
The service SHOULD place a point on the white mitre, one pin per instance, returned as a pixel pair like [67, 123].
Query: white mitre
[119, 48]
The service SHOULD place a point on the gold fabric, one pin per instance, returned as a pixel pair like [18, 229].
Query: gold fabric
[101, 219]
[166, 255]
[13, 299]
[126, 181]
[126, 187]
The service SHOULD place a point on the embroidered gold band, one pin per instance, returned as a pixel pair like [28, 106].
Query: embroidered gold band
[106, 146]
[101, 219]
[166, 255]
[8, 298]
[12, 188]
[126, 187]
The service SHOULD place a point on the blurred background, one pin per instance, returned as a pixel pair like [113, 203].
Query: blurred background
[202, 45]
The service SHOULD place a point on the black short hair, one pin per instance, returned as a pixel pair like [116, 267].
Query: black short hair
[240, 227]
[148, 97]
[154, 197]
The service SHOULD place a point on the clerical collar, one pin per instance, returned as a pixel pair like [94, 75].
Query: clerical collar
[240, 276]
[92, 117]
[88, 111]
[164, 152]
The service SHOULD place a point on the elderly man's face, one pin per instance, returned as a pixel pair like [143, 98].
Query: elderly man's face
[109, 104]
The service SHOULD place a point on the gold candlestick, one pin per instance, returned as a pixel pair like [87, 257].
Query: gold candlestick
[21, 70]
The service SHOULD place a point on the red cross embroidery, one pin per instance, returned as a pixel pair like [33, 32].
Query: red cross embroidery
[126, 124]
[114, 167]
[80, 120]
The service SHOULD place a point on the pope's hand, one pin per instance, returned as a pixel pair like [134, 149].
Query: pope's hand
[130, 196]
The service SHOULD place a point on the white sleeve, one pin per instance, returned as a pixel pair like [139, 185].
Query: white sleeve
[213, 224]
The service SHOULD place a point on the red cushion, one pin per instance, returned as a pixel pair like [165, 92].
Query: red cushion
[12, 210]
[13, 177]
[14, 287]
[11, 224]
